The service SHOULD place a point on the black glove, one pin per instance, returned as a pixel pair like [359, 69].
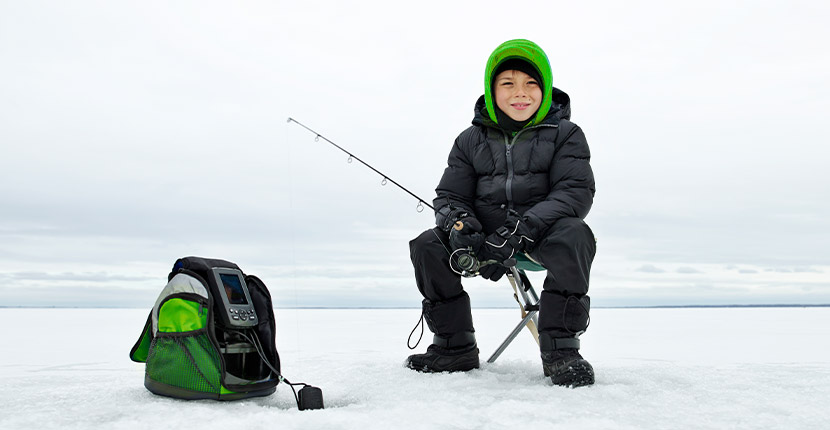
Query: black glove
[446, 217]
[501, 246]
[492, 271]
[496, 250]
[466, 234]
[517, 232]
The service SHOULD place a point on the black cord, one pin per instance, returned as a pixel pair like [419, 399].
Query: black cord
[409, 339]
[258, 346]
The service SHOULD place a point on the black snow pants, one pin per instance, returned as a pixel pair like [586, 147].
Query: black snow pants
[566, 250]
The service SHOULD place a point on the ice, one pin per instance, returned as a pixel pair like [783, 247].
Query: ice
[656, 369]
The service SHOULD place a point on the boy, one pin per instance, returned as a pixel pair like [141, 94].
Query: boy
[518, 180]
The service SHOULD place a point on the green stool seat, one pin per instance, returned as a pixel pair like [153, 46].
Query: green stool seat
[524, 262]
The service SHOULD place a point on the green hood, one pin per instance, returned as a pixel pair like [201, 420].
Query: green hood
[533, 54]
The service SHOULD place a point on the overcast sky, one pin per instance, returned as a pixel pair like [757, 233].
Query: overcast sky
[135, 133]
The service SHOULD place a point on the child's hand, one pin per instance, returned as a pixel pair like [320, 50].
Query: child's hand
[466, 234]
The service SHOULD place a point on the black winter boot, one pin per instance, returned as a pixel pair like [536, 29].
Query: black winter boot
[562, 362]
[458, 353]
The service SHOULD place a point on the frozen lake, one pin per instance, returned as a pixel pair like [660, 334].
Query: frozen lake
[656, 369]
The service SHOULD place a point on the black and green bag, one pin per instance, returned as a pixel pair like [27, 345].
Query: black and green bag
[191, 353]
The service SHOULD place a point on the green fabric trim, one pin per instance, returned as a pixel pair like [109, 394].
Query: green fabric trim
[530, 52]
[223, 390]
[180, 315]
[140, 353]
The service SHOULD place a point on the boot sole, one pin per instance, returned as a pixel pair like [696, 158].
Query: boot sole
[455, 366]
[577, 374]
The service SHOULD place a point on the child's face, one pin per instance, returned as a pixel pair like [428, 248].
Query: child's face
[517, 94]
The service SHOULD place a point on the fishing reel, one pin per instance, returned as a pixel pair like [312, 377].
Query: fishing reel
[467, 262]
[466, 259]
[469, 265]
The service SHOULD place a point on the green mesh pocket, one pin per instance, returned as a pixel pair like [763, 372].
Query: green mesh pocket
[188, 362]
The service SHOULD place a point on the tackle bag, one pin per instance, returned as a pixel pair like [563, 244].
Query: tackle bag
[209, 334]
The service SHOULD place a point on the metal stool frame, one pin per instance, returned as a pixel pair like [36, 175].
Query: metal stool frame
[527, 299]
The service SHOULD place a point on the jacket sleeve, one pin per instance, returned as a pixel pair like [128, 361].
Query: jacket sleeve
[457, 189]
[571, 182]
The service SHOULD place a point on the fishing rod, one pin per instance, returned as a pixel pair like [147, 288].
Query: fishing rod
[468, 264]
[421, 202]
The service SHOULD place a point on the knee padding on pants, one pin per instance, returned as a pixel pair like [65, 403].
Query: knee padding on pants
[577, 313]
[568, 314]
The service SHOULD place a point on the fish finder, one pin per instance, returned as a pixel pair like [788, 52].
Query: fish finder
[236, 300]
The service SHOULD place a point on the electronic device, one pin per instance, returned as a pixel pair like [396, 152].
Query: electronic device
[310, 398]
[236, 300]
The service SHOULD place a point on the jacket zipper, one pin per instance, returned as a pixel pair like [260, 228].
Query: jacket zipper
[509, 183]
[509, 154]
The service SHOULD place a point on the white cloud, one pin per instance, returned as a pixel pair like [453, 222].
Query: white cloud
[650, 268]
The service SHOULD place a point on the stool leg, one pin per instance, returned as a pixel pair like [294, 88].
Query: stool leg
[530, 299]
[524, 322]
[521, 286]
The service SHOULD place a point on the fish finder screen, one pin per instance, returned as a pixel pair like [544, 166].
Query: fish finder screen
[233, 289]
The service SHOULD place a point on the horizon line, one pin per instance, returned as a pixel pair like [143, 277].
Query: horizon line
[475, 307]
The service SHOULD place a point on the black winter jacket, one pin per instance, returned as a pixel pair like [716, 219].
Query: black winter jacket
[543, 172]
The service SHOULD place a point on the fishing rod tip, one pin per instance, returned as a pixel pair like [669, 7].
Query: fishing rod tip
[289, 119]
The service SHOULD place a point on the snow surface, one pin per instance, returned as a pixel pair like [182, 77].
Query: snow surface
[747, 368]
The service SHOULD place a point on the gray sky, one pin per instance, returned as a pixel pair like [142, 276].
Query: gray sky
[134, 133]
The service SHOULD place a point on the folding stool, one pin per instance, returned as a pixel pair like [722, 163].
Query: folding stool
[526, 296]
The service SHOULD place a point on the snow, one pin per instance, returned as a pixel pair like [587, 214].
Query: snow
[656, 369]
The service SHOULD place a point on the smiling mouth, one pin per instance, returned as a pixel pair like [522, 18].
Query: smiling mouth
[520, 106]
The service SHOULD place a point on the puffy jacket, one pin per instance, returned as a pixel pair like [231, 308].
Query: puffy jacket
[543, 172]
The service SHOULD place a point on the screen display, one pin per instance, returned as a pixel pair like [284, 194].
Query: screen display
[233, 289]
